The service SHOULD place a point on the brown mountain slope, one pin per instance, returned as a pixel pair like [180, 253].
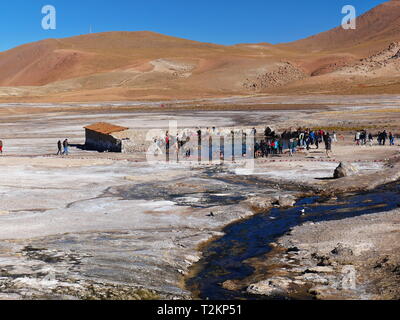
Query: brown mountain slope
[133, 62]
[148, 65]
[51, 60]
[375, 30]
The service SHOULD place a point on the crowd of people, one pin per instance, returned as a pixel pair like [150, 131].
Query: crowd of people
[267, 143]
[273, 143]
[366, 138]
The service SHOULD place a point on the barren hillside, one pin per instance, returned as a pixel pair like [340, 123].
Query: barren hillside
[148, 65]
[375, 30]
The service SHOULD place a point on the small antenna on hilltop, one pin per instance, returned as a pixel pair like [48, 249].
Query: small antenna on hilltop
[90, 29]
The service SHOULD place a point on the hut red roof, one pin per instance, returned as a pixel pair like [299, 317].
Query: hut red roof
[105, 128]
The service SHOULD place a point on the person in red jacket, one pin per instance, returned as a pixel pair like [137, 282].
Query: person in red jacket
[1, 146]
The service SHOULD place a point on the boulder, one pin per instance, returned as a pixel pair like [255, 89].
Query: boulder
[271, 287]
[344, 170]
[286, 201]
[260, 204]
[341, 250]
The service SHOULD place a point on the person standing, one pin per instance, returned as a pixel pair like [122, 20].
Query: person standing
[1, 147]
[334, 138]
[370, 139]
[199, 141]
[280, 146]
[357, 138]
[291, 147]
[167, 146]
[308, 142]
[312, 137]
[384, 137]
[276, 146]
[301, 139]
[363, 137]
[210, 148]
[328, 144]
[244, 144]
[66, 146]
[391, 139]
[253, 134]
[59, 146]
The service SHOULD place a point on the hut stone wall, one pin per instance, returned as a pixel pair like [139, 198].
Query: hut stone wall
[102, 142]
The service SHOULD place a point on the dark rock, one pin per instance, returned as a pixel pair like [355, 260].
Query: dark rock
[322, 260]
[382, 262]
[32, 249]
[341, 250]
[344, 170]
[396, 270]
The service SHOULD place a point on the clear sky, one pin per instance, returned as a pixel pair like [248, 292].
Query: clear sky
[217, 21]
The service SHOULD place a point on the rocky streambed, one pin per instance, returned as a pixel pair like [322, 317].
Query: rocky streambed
[343, 247]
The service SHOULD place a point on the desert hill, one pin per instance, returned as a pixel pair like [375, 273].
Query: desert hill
[51, 60]
[375, 30]
[148, 65]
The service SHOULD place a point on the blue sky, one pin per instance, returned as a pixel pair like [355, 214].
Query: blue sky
[217, 21]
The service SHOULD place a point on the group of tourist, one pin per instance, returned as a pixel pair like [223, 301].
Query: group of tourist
[363, 138]
[273, 143]
[269, 143]
[63, 148]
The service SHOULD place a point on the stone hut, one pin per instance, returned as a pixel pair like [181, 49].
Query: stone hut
[104, 137]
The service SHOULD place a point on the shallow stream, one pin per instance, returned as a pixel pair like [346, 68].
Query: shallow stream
[224, 259]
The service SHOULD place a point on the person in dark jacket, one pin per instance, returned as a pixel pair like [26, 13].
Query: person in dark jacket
[59, 146]
[328, 144]
[384, 137]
